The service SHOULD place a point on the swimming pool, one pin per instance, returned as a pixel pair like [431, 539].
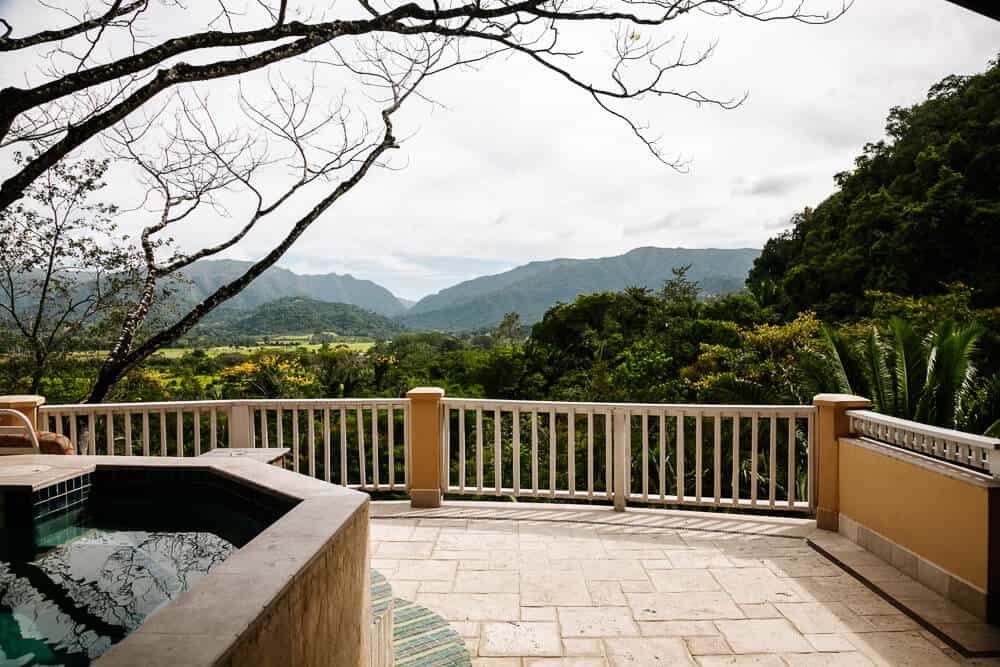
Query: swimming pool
[104, 553]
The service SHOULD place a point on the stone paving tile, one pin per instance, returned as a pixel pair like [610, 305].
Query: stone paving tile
[677, 628]
[520, 638]
[824, 617]
[576, 646]
[647, 652]
[606, 593]
[538, 613]
[762, 660]
[549, 594]
[846, 659]
[597, 622]
[682, 606]
[763, 636]
[567, 662]
[680, 581]
[830, 643]
[565, 589]
[472, 606]
[754, 585]
[486, 582]
[422, 570]
[900, 648]
[713, 645]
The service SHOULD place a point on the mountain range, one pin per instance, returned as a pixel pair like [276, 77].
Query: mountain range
[206, 276]
[533, 288]
[480, 303]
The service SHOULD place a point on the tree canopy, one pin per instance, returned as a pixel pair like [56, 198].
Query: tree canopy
[920, 209]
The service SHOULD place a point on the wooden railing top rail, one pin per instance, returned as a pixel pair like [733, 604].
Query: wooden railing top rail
[541, 406]
[287, 403]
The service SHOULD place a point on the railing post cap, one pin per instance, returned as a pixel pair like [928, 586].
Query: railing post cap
[844, 401]
[22, 401]
[425, 393]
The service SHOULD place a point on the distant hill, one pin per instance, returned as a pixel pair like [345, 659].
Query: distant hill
[298, 315]
[276, 283]
[533, 288]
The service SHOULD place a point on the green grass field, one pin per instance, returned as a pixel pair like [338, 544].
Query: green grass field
[281, 346]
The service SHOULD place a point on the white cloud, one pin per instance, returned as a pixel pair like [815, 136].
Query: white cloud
[519, 166]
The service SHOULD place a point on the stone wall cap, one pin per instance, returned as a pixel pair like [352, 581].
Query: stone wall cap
[21, 400]
[425, 392]
[841, 401]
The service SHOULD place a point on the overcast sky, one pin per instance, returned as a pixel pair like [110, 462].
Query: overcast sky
[520, 167]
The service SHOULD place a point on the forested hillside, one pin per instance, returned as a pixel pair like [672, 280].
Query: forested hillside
[919, 209]
[276, 283]
[297, 315]
[532, 289]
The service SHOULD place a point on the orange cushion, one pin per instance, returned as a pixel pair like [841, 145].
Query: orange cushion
[48, 442]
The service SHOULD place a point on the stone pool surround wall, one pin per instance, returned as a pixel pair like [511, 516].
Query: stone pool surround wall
[298, 594]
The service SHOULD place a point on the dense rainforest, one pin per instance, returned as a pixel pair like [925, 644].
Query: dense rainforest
[888, 288]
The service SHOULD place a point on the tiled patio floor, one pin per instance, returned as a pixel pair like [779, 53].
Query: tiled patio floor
[536, 585]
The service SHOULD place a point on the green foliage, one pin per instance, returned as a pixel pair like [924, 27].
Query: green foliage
[294, 315]
[919, 210]
[926, 378]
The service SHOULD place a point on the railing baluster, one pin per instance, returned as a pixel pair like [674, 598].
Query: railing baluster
[590, 454]
[497, 453]
[645, 456]
[810, 461]
[698, 461]
[326, 445]
[446, 460]
[461, 450]
[311, 441]
[663, 455]
[264, 440]
[213, 426]
[145, 433]
[359, 423]
[736, 458]
[109, 427]
[163, 432]
[772, 472]
[791, 461]
[72, 433]
[479, 450]
[754, 427]
[279, 433]
[197, 432]
[680, 456]
[516, 428]
[390, 443]
[91, 435]
[717, 458]
[128, 434]
[608, 453]
[344, 479]
[553, 453]
[253, 428]
[571, 450]
[534, 452]
[179, 425]
[375, 466]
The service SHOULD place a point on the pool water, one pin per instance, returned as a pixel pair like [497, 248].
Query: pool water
[89, 580]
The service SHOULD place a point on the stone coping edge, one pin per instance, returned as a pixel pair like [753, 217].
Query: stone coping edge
[206, 623]
[901, 606]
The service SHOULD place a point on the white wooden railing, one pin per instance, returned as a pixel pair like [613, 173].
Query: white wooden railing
[973, 451]
[359, 443]
[716, 455]
[741, 456]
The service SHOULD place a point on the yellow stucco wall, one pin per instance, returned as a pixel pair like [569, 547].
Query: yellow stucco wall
[938, 517]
